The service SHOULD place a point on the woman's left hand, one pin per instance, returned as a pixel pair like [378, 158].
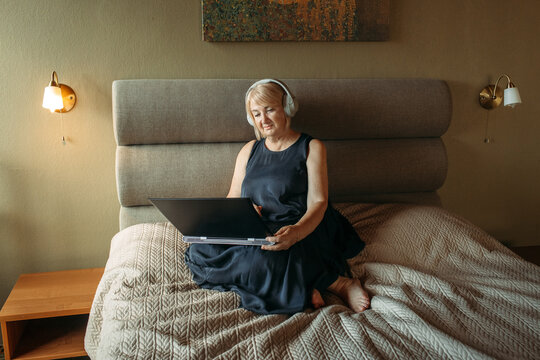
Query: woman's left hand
[286, 237]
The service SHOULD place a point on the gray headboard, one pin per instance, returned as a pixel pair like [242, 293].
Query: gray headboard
[180, 138]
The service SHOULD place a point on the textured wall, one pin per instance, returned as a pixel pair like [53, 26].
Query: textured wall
[58, 204]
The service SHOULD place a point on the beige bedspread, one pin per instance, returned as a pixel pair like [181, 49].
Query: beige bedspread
[441, 287]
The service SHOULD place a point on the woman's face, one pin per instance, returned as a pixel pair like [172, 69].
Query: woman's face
[270, 120]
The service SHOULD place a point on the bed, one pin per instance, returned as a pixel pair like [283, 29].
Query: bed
[440, 286]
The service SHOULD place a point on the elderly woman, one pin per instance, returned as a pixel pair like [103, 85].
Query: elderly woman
[285, 175]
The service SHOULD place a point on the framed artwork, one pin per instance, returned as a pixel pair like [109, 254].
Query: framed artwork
[295, 20]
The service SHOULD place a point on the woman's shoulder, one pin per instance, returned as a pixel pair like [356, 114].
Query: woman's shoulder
[249, 144]
[308, 138]
[312, 142]
[246, 149]
[316, 145]
[316, 149]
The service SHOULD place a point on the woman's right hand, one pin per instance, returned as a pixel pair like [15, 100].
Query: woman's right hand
[286, 237]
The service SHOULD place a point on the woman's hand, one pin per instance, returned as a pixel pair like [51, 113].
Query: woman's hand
[258, 209]
[286, 237]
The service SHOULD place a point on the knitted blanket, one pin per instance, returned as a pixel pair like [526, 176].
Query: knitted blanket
[440, 287]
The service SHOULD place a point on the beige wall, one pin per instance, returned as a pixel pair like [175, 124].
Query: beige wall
[58, 204]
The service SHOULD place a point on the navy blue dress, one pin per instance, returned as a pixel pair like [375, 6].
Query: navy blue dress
[278, 282]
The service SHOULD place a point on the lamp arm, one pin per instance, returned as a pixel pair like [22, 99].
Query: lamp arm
[493, 96]
[54, 79]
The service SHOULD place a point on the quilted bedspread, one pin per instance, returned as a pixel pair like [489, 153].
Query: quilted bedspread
[440, 287]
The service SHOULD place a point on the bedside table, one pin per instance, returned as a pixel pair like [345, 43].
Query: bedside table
[45, 315]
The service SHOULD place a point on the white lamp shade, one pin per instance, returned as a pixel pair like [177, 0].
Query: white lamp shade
[52, 98]
[511, 97]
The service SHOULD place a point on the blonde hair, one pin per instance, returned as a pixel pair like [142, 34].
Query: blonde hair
[266, 94]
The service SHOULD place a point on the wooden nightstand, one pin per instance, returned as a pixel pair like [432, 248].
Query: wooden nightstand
[45, 315]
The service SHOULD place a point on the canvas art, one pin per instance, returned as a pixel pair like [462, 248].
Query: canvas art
[295, 20]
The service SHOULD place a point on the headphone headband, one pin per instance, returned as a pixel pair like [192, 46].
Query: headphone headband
[290, 105]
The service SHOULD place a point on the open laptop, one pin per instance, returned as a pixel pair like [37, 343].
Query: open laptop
[231, 221]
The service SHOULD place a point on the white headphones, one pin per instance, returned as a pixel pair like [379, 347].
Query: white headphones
[290, 105]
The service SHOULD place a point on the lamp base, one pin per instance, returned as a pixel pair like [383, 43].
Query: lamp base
[486, 97]
[69, 98]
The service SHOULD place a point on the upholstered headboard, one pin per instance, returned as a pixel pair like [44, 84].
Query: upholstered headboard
[180, 138]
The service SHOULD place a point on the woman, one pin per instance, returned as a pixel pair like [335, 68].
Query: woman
[284, 173]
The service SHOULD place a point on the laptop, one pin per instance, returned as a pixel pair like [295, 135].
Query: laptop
[230, 221]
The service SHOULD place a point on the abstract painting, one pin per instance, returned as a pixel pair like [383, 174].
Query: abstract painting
[295, 20]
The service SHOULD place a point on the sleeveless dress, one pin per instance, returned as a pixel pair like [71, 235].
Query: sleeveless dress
[278, 282]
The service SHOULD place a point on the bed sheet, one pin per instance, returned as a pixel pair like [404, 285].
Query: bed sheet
[440, 287]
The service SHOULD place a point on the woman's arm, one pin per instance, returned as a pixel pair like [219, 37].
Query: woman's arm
[240, 170]
[317, 201]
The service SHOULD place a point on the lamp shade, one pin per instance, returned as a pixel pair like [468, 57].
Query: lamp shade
[511, 97]
[52, 98]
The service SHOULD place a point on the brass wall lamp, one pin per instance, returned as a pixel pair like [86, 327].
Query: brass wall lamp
[491, 96]
[58, 97]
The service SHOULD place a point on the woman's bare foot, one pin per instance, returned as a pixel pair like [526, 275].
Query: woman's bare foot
[351, 291]
[316, 299]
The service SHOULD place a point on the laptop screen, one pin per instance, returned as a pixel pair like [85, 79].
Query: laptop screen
[213, 217]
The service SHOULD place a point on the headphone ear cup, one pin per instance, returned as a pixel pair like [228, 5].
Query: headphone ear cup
[286, 109]
[290, 106]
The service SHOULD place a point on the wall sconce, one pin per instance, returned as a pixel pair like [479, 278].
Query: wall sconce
[58, 97]
[491, 96]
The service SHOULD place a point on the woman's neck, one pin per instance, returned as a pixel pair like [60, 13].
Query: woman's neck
[282, 142]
